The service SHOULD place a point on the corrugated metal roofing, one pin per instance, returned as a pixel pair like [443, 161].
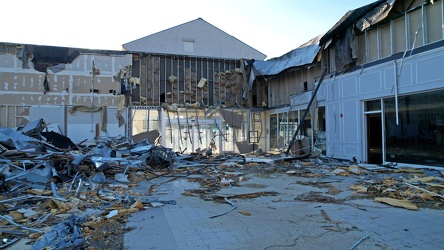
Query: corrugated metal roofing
[307, 52]
[294, 58]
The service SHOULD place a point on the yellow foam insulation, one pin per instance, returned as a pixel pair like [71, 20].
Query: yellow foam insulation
[397, 203]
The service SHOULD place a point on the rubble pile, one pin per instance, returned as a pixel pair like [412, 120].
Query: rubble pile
[58, 194]
[404, 187]
[46, 179]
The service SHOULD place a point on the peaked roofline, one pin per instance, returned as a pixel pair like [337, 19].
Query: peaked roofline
[162, 31]
[198, 19]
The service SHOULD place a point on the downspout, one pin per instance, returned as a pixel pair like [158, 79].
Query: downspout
[396, 93]
[395, 86]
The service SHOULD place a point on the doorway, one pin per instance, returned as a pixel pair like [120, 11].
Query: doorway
[374, 138]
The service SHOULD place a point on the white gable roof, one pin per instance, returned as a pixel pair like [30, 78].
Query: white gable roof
[195, 38]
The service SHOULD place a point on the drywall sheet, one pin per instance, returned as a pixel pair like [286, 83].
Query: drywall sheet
[233, 119]
[7, 61]
[88, 125]
[21, 82]
[100, 84]
[51, 115]
[58, 99]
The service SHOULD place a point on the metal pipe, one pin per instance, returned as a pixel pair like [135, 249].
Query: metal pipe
[7, 115]
[78, 188]
[73, 180]
[54, 190]
[32, 197]
[159, 84]
[152, 81]
[396, 94]
[18, 225]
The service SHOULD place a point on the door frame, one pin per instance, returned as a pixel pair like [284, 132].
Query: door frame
[365, 146]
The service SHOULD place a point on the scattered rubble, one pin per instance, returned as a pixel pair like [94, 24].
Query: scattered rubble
[57, 194]
[54, 190]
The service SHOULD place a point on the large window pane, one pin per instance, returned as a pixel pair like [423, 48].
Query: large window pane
[273, 131]
[293, 123]
[374, 105]
[145, 120]
[419, 137]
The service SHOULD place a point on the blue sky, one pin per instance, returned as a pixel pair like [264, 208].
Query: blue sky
[273, 27]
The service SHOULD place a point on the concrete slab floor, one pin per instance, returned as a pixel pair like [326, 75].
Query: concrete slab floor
[279, 221]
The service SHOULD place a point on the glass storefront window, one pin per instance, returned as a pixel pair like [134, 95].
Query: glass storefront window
[273, 132]
[374, 105]
[292, 125]
[145, 120]
[419, 137]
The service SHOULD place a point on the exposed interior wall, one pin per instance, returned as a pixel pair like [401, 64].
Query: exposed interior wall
[385, 43]
[49, 88]
[292, 82]
[87, 125]
[257, 97]
[411, 24]
[399, 35]
[12, 116]
[332, 59]
[204, 85]
[76, 84]
[362, 51]
[434, 21]
[373, 48]
[79, 125]
[175, 80]
[145, 120]
[54, 117]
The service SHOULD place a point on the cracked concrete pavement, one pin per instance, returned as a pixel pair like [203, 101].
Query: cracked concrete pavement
[280, 216]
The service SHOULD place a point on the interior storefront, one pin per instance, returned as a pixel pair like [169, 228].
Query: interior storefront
[418, 136]
[410, 132]
[187, 130]
[283, 125]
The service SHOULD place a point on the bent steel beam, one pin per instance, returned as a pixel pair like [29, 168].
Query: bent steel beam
[306, 111]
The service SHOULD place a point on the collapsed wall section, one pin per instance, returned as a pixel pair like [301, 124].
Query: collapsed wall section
[179, 80]
[88, 80]
[34, 77]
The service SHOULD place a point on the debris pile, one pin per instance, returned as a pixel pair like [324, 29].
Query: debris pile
[59, 194]
[52, 190]
[404, 187]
